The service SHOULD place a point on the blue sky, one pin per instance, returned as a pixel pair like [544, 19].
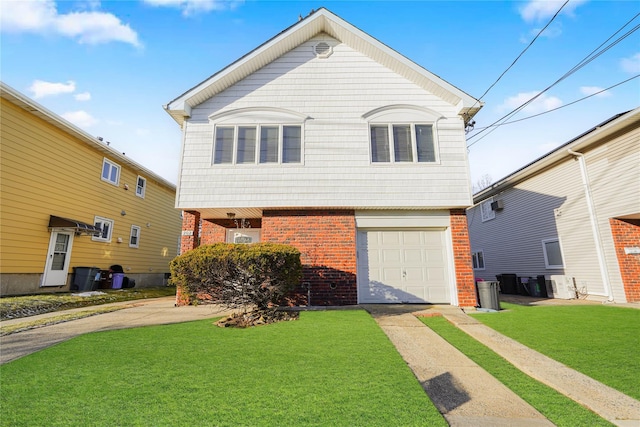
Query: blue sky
[109, 66]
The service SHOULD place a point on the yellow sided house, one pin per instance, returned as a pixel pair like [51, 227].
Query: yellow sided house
[71, 208]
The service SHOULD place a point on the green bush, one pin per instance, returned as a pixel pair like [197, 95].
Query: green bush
[238, 275]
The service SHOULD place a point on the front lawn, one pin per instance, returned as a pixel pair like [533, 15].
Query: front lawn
[328, 368]
[600, 341]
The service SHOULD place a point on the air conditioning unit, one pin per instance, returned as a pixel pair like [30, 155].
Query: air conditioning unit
[562, 287]
[498, 205]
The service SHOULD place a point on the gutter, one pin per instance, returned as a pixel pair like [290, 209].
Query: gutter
[604, 272]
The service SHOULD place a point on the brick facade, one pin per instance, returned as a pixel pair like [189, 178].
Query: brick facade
[626, 233]
[467, 296]
[327, 242]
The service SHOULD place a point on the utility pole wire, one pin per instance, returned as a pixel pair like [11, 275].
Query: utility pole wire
[521, 53]
[566, 105]
[590, 57]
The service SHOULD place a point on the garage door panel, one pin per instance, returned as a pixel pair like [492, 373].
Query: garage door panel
[397, 266]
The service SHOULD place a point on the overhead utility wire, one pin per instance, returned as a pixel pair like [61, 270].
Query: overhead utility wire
[566, 105]
[521, 53]
[578, 66]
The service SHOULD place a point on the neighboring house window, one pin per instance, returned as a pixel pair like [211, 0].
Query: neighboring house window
[478, 260]
[134, 237]
[106, 225]
[486, 211]
[141, 186]
[402, 143]
[552, 253]
[263, 144]
[110, 172]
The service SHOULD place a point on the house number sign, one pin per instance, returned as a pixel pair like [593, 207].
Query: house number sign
[187, 232]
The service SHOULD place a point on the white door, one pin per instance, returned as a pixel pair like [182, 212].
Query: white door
[58, 257]
[403, 266]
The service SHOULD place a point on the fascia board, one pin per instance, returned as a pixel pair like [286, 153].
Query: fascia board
[579, 143]
[52, 118]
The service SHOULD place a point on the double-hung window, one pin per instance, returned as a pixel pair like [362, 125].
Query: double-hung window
[478, 260]
[110, 171]
[141, 186]
[402, 143]
[106, 227]
[134, 237]
[263, 144]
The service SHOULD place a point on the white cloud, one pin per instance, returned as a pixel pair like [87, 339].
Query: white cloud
[541, 104]
[42, 17]
[590, 90]
[80, 118]
[631, 64]
[84, 96]
[40, 88]
[538, 10]
[192, 7]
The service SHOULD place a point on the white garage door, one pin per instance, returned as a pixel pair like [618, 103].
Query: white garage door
[402, 266]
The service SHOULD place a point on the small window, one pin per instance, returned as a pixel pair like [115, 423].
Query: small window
[291, 144]
[552, 254]
[402, 143]
[110, 172]
[269, 144]
[106, 225]
[134, 237]
[478, 260]
[486, 211]
[141, 187]
[223, 150]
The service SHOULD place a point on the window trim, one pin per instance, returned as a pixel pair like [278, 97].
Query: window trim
[112, 165]
[414, 142]
[474, 260]
[137, 244]
[258, 143]
[144, 187]
[111, 223]
[491, 213]
[547, 265]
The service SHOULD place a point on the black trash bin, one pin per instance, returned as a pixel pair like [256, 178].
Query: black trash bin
[488, 294]
[508, 283]
[84, 278]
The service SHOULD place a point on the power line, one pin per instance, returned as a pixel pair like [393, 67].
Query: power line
[563, 106]
[589, 58]
[521, 53]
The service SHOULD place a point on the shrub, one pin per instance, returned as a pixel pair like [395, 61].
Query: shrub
[238, 275]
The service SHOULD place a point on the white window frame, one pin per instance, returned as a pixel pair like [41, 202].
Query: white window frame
[141, 193]
[137, 236]
[548, 265]
[258, 127]
[112, 166]
[485, 210]
[475, 259]
[414, 143]
[102, 220]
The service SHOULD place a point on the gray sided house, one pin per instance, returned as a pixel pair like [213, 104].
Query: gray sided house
[328, 140]
[572, 216]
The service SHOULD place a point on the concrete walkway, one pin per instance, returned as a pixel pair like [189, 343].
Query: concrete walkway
[463, 392]
[467, 395]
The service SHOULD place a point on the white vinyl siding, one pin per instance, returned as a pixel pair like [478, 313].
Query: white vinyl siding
[110, 171]
[331, 95]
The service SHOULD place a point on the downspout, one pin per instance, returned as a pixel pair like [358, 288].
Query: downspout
[604, 272]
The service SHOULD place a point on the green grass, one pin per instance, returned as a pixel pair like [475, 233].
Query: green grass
[600, 341]
[30, 305]
[330, 368]
[556, 407]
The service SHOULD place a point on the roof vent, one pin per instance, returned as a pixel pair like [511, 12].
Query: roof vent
[322, 50]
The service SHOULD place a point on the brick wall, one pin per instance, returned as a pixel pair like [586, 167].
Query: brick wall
[626, 233]
[327, 242]
[462, 259]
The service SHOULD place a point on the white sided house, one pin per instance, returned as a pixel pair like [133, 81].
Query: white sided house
[572, 216]
[328, 140]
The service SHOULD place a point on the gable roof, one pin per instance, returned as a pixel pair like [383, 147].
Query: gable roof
[29, 105]
[321, 21]
[592, 137]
